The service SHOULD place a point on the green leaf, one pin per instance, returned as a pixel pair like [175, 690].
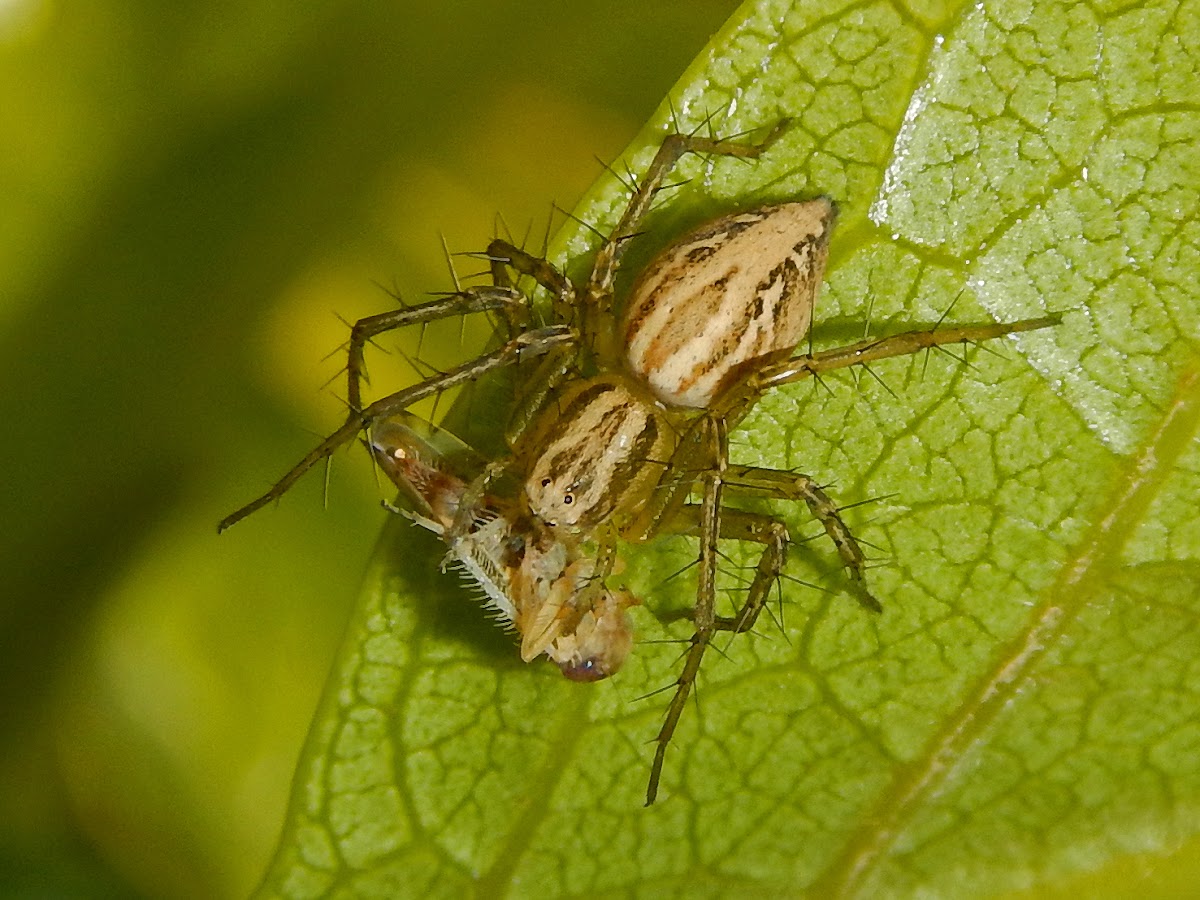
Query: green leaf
[1026, 708]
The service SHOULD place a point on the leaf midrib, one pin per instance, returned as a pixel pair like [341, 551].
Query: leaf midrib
[1135, 486]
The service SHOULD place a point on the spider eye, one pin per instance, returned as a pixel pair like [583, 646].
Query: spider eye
[568, 499]
[545, 482]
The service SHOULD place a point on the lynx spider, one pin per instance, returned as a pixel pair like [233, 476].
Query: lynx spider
[625, 421]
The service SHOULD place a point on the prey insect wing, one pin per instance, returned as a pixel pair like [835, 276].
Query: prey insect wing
[431, 468]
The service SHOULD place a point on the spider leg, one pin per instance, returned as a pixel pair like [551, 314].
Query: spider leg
[608, 258]
[860, 353]
[710, 523]
[502, 256]
[557, 366]
[683, 689]
[704, 451]
[531, 343]
[742, 525]
[537, 388]
[793, 486]
[502, 298]
[704, 613]
[689, 466]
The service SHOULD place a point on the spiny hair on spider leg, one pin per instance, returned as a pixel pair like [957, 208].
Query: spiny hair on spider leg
[450, 263]
[632, 236]
[687, 642]
[959, 360]
[707, 121]
[866, 501]
[393, 292]
[421, 368]
[721, 648]
[691, 564]
[337, 376]
[544, 249]
[570, 216]
[736, 572]
[784, 576]
[819, 381]
[865, 368]
[777, 619]
[627, 179]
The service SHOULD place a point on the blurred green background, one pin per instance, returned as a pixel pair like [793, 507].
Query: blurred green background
[191, 194]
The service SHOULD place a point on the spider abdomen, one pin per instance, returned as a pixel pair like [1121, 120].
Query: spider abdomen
[736, 291]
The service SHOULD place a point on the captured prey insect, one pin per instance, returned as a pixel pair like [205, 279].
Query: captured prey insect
[621, 434]
[529, 575]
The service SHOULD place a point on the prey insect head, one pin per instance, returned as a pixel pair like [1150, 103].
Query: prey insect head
[602, 639]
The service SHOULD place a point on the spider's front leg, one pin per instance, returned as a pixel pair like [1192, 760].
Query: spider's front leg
[535, 342]
[512, 306]
[502, 256]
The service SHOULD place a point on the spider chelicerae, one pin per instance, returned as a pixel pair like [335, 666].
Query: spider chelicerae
[620, 427]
